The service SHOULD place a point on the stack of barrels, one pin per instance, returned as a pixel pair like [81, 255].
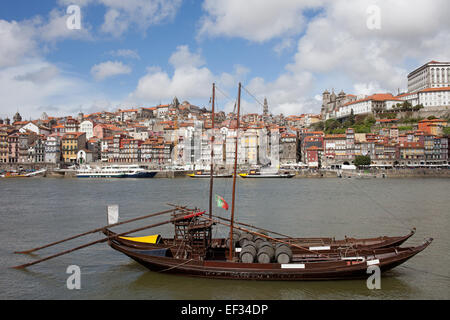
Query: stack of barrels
[258, 249]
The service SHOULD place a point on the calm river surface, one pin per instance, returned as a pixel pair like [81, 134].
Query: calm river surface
[37, 211]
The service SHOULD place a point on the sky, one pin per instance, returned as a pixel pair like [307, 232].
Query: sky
[141, 53]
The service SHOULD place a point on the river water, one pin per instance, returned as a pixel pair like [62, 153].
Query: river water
[37, 211]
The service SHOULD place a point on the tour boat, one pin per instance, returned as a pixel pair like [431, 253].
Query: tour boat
[115, 171]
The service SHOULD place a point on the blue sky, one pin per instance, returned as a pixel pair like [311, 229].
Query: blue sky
[145, 52]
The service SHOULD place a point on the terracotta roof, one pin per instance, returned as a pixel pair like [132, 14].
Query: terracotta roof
[435, 89]
[335, 136]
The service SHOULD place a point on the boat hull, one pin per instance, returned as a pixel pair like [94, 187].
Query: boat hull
[337, 269]
[100, 176]
[311, 243]
[267, 176]
[141, 175]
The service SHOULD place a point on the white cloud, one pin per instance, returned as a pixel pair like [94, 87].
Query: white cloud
[337, 48]
[35, 86]
[254, 20]
[283, 46]
[183, 58]
[56, 29]
[190, 79]
[125, 53]
[121, 15]
[42, 75]
[16, 42]
[109, 69]
[339, 41]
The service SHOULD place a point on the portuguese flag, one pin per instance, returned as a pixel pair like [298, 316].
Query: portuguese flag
[221, 203]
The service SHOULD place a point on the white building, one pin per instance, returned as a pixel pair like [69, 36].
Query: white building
[431, 75]
[53, 149]
[36, 129]
[435, 97]
[373, 103]
[87, 127]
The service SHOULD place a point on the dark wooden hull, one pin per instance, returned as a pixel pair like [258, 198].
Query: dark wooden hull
[344, 267]
[311, 243]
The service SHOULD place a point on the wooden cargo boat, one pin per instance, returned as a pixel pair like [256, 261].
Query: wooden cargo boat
[257, 256]
[318, 244]
[352, 265]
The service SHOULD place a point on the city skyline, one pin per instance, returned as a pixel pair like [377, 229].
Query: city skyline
[147, 52]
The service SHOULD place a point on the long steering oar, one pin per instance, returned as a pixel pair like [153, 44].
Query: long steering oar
[94, 231]
[109, 238]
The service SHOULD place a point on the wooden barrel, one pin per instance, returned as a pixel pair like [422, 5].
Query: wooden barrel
[247, 243]
[258, 241]
[283, 254]
[245, 236]
[236, 237]
[256, 238]
[281, 244]
[265, 254]
[264, 244]
[247, 254]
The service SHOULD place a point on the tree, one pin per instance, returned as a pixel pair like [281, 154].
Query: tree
[447, 131]
[352, 117]
[361, 161]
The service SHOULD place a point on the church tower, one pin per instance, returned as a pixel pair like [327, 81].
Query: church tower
[17, 117]
[325, 104]
[266, 107]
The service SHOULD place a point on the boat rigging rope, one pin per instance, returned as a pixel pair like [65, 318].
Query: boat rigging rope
[245, 89]
[359, 190]
[178, 265]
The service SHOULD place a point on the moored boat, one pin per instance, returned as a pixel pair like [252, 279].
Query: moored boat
[318, 244]
[348, 264]
[115, 171]
[203, 174]
[266, 175]
[255, 255]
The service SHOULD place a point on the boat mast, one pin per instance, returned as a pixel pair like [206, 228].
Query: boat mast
[212, 153]
[235, 174]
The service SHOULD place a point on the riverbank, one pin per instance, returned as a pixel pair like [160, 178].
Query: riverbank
[54, 172]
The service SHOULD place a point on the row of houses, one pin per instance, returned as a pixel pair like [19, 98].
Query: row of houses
[387, 149]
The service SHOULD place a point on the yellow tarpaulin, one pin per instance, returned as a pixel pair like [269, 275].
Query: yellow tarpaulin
[148, 239]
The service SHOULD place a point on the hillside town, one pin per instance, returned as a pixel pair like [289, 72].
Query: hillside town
[406, 130]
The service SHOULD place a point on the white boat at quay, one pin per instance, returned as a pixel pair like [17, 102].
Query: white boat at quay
[115, 171]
